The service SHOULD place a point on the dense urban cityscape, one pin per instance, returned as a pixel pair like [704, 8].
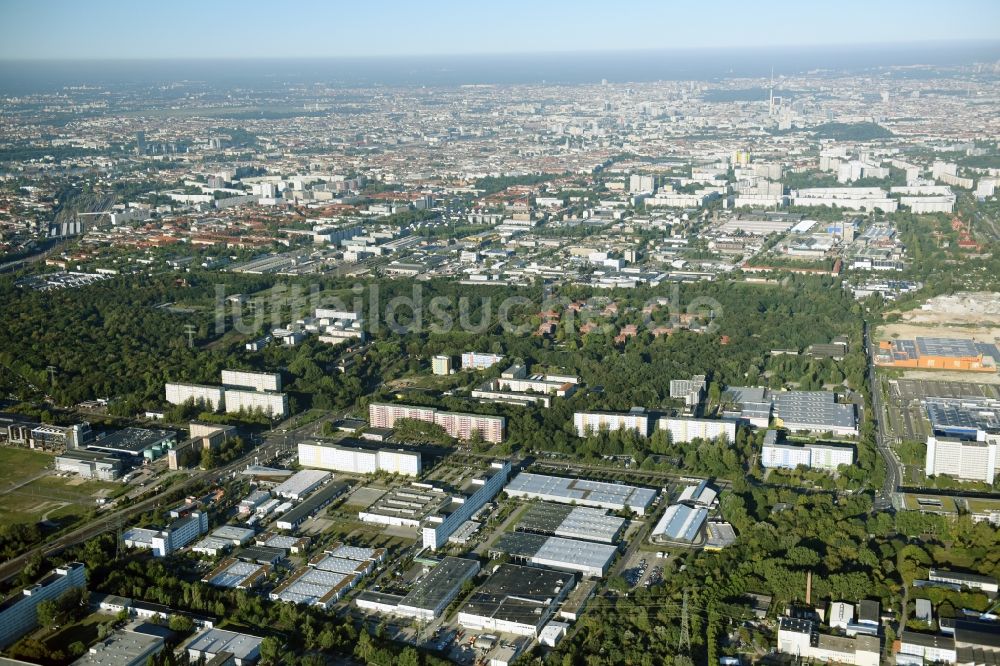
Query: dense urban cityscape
[326, 362]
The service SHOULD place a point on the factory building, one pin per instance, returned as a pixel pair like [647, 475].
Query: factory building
[300, 484]
[242, 649]
[584, 492]
[430, 596]
[585, 557]
[317, 501]
[802, 638]
[680, 523]
[235, 574]
[89, 464]
[571, 522]
[515, 600]
[123, 647]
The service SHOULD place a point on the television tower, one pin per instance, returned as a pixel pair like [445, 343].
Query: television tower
[770, 97]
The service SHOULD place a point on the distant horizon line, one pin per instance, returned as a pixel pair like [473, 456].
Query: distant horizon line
[887, 46]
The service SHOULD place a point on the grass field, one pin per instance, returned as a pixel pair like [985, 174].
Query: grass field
[16, 465]
[61, 500]
[84, 631]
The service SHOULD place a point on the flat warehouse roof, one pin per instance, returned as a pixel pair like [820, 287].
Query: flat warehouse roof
[301, 481]
[582, 490]
[968, 413]
[325, 494]
[131, 440]
[590, 524]
[517, 594]
[234, 574]
[953, 347]
[440, 583]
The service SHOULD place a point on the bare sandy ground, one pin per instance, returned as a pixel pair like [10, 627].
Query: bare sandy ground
[968, 315]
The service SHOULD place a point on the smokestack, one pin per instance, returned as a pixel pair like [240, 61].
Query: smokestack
[809, 587]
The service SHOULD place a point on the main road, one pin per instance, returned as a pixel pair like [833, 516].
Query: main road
[893, 467]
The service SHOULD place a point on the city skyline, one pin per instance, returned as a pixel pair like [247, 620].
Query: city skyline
[114, 30]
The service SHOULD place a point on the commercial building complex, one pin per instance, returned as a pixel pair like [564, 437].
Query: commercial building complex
[584, 492]
[456, 424]
[516, 386]
[359, 459]
[19, 613]
[807, 411]
[937, 354]
[515, 600]
[814, 411]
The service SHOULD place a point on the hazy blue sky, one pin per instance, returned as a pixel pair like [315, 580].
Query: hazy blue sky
[57, 29]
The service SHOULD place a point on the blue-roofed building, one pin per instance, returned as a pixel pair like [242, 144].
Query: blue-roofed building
[680, 523]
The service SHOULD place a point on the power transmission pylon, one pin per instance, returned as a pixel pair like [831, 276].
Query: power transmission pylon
[684, 642]
[190, 332]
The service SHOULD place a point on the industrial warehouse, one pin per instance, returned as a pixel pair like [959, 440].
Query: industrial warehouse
[613, 496]
[938, 354]
[572, 522]
[430, 596]
[515, 600]
[586, 557]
